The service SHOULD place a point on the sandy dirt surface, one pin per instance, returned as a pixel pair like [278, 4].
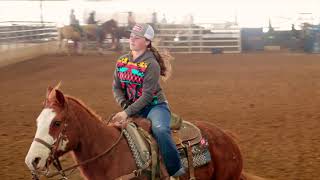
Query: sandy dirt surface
[270, 101]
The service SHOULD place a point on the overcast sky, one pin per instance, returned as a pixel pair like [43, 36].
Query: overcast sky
[250, 13]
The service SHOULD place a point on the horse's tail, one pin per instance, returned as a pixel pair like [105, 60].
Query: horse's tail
[248, 176]
[244, 175]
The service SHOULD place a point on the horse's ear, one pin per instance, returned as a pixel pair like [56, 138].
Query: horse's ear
[60, 98]
[58, 85]
[49, 89]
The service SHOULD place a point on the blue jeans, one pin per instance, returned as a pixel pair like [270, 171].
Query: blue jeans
[160, 116]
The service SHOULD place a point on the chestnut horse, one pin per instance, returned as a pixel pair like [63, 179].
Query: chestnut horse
[66, 124]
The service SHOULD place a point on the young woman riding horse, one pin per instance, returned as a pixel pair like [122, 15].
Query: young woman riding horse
[137, 89]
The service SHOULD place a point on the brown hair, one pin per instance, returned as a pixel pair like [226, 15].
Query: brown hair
[163, 59]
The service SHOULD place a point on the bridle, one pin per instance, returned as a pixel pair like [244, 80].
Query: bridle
[55, 159]
[53, 152]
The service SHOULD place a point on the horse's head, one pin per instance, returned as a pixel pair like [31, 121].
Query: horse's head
[55, 133]
[110, 26]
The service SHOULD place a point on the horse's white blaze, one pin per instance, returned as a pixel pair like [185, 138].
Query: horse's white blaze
[38, 150]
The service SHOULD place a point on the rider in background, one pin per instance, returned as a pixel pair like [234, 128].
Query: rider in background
[92, 18]
[73, 19]
[164, 19]
[154, 21]
[131, 20]
[74, 22]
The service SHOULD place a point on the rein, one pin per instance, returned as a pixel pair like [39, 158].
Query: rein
[62, 171]
[56, 162]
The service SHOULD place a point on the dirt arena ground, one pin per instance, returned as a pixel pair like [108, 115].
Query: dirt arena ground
[271, 101]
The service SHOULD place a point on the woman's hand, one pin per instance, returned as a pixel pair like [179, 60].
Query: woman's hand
[120, 118]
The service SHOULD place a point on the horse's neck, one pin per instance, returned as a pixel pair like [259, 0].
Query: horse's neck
[95, 138]
[106, 27]
[94, 134]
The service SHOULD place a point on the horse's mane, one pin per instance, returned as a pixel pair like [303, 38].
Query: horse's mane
[80, 103]
[111, 21]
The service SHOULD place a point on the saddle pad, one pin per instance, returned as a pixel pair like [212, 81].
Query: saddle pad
[137, 144]
[188, 134]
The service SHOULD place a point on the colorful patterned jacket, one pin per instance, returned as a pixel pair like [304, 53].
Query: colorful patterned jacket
[136, 83]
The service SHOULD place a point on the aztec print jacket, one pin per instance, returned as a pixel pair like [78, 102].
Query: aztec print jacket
[136, 83]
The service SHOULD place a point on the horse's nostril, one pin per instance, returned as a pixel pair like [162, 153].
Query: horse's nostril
[36, 161]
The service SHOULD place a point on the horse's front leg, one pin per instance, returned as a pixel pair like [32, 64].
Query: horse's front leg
[60, 38]
[114, 41]
[78, 47]
[60, 44]
[99, 39]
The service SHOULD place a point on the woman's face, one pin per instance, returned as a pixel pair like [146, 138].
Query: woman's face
[137, 43]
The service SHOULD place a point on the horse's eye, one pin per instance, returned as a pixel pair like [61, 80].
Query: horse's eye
[57, 123]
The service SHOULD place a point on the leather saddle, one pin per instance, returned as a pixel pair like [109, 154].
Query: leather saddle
[184, 132]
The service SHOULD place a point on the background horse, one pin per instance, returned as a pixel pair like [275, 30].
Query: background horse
[121, 32]
[66, 124]
[90, 32]
[69, 33]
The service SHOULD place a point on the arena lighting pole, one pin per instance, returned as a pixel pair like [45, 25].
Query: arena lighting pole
[41, 15]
